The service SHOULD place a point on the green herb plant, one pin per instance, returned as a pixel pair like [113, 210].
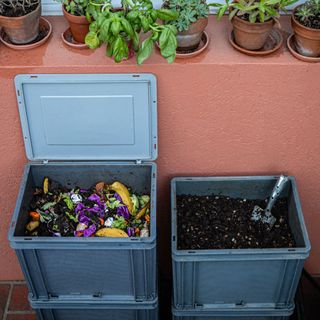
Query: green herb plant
[75, 7]
[309, 14]
[254, 11]
[189, 11]
[120, 29]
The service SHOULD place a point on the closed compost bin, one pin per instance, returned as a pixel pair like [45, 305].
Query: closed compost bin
[78, 130]
[238, 278]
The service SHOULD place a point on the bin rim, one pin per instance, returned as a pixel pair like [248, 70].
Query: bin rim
[27, 242]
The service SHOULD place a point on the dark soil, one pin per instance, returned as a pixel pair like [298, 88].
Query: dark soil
[220, 222]
[18, 12]
[311, 22]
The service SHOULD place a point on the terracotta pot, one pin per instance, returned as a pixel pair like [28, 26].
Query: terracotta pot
[251, 36]
[307, 40]
[24, 29]
[79, 25]
[190, 39]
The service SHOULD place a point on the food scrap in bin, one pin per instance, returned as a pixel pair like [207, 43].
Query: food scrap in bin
[101, 211]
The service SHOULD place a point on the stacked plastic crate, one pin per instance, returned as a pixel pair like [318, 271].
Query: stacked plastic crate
[234, 284]
[88, 278]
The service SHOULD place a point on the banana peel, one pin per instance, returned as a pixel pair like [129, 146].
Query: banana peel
[32, 225]
[124, 193]
[111, 233]
[143, 211]
[46, 185]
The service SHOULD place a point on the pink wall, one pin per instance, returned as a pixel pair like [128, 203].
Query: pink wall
[222, 113]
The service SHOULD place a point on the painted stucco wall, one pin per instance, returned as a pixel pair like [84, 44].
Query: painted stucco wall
[222, 113]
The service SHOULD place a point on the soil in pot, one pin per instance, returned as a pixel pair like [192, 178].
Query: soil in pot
[311, 22]
[18, 12]
[221, 222]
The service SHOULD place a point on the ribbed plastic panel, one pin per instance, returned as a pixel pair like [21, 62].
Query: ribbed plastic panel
[253, 278]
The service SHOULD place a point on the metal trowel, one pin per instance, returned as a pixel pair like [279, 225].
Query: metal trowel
[265, 215]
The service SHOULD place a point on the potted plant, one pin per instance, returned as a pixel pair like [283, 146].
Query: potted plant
[75, 12]
[191, 22]
[120, 30]
[20, 19]
[252, 20]
[305, 21]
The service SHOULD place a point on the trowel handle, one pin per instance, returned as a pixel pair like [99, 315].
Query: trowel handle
[279, 186]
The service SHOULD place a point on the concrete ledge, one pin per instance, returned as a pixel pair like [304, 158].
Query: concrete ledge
[55, 53]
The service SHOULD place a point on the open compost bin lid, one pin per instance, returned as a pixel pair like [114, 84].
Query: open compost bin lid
[88, 117]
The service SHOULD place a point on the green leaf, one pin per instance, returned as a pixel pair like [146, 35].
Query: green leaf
[135, 41]
[72, 217]
[115, 27]
[127, 28]
[164, 38]
[93, 26]
[68, 202]
[120, 50]
[104, 30]
[167, 15]
[132, 15]
[48, 205]
[145, 23]
[171, 58]
[92, 40]
[154, 15]
[145, 51]
[169, 44]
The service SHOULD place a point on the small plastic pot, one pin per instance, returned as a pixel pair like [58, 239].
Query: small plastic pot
[251, 36]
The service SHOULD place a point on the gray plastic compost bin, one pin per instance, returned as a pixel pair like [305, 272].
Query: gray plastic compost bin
[96, 310]
[238, 278]
[78, 130]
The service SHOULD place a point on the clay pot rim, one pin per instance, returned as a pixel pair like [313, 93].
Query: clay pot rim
[195, 25]
[72, 16]
[293, 18]
[22, 17]
[256, 23]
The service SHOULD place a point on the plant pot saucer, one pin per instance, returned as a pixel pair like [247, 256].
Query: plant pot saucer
[68, 40]
[273, 43]
[205, 40]
[292, 48]
[45, 32]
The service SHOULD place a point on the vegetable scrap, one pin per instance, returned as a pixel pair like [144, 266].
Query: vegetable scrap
[104, 210]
